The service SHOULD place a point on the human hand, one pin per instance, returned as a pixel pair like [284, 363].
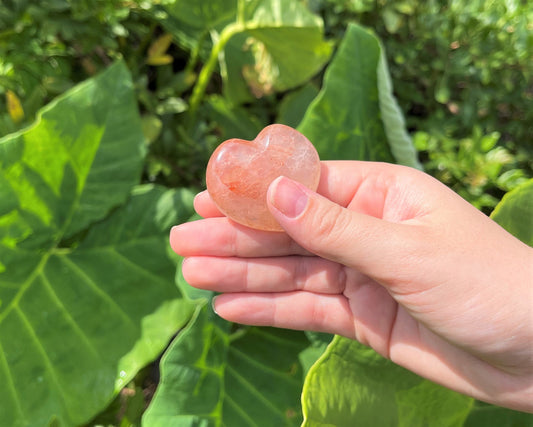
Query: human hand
[386, 255]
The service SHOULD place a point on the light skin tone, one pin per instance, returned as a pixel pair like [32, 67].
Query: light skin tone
[388, 256]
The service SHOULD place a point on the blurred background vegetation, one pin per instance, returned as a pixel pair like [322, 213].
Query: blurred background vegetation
[462, 74]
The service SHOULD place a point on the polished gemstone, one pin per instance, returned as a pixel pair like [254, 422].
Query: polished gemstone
[239, 173]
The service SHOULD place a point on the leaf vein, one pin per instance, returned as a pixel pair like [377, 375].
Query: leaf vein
[10, 382]
[243, 356]
[98, 291]
[83, 336]
[136, 266]
[47, 362]
[240, 411]
[252, 390]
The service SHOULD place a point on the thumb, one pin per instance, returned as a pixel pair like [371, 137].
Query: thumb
[371, 245]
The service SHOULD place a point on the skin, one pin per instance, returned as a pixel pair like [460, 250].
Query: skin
[388, 256]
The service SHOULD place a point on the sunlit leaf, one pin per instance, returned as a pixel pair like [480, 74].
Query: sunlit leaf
[353, 385]
[87, 294]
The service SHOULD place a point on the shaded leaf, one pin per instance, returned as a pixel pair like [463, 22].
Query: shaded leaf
[293, 106]
[485, 415]
[191, 388]
[232, 121]
[190, 21]
[211, 376]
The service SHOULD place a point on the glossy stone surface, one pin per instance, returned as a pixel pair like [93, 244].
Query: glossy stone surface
[239, 173]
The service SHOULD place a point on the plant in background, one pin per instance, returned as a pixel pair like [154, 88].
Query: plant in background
[477, 168]
[46, 49]
[458, 67]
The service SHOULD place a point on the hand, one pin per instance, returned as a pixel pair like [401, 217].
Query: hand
[385, 255]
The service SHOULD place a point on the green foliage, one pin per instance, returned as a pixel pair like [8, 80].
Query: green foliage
[86, 288]
[42, 47]
[461, 70]
[362, 384]
[475, 167]
[214, 374]
[90, 293]
[473, 57]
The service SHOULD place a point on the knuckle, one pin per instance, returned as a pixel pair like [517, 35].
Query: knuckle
[300, 273]
[330, 226]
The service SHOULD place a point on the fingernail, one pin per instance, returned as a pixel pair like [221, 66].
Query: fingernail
[213, 304]
[289, 197]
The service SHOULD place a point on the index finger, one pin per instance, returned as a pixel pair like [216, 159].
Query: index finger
[351, 183]
[223, 237]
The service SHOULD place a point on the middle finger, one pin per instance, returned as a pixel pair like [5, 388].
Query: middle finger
[276, 274]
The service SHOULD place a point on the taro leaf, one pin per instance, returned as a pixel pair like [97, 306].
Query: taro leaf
[352, 385]
[212, 377]
[515, 212]
[343, 121]
[485, 415]
[279, 45]
[81, 293]
[52, 175]
[400, 142]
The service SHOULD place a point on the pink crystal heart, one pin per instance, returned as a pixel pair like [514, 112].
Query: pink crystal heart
[239, 173]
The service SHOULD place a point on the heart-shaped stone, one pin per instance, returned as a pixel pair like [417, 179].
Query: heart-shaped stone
[239, 173]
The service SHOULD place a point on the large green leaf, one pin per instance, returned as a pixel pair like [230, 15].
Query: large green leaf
[353, 385]
[82, 290]
[400, 142]
[344, 119]
[515, 212]
[279, 45]
[265, 45]
[212, 377]
[52, 174]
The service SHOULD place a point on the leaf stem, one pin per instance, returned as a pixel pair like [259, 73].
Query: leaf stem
[208, 68]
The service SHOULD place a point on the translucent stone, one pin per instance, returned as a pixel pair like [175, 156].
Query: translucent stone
[239, 173]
